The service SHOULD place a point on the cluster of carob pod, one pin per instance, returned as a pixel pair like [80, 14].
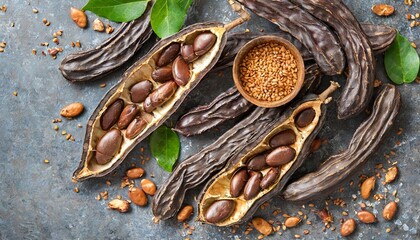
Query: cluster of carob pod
[253, 161]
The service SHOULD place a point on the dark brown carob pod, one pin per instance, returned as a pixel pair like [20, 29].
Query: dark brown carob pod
[218, 188]
[337, 168]
[160, 103]
[314, 34]
[111, 54]
[230, 104]
[356, 93]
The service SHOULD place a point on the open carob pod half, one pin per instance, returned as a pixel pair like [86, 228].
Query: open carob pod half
[149, 92]
[251, 178]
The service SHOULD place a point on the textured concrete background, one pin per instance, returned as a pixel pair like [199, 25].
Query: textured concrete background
[37, 200]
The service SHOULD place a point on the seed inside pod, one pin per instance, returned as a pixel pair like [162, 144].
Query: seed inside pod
[181, 71]
[237, 183]
[270, 178]
[219, 211]
[140, 91]
[111, 115]
[127, 115]
[168, 54]
[305, 117]
[280, 156]
[159, 96]
[257, 163]
[283, 138]
[108, 146]
[187, 52]
[203, 43]
[252, 187]
[162, 74]
[135, 127]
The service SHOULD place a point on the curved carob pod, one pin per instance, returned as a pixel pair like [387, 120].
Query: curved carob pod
[380, 38]
[338, 168]
[196, 169]
[231, 104]
[111, 54]
[356, 93]
[311, 32]
[255, 176]
[139, 103]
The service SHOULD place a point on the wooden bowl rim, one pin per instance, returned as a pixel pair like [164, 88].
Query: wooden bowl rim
[258, 41]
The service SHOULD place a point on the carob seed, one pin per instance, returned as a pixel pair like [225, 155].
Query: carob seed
[140, 91]
[111, 115]
[108, 146]
[257, 163]
[391, 175]
[262, 226]
[389, 211]
[237, 183]
[147, 105]
[187, 52]
[181, 71]
[162, 74]
[219, 211]
[292, 222]
[168, 54]
[203, 43]
[163, 93]
[134, 173]
[366, 217]
[135, 127]
[185, 213]
[72, 110]
[137, 196]
[270, 178]
[252, 187]
[283, 138]
[367, 186]
[280, 156]
[305, 117]
[348, 227]
[127, 115]
[148, 187]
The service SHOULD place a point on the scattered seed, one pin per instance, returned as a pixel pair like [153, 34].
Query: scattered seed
[98, 25]
[55, 127]
[389, 211]
[78, 17]
[306, 231]
[383, 10]
[63, 132]
[119, 205]
[367, 186]
[79, 125]
[46, 161]
[366, 216]
[14, 93]
[76, 190]
[262, 226]
[34, 51]
[3, 8]
[348, 227]
[388, 230]
[391, 175]
[78, 44]
[292, 222]
[34, 10]
[102, 85]
[109, 29]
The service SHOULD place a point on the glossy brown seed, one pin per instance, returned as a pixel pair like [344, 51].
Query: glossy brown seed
[257, 163]
[137, 196]
[187, 52]
[391, 175]
[262, 226]
[185, 213]
[283, 138]
[140, 91]
[147, 105]
[135, 127]
[127, 115]
[111, 115]
[367, 186]
[78, 17]
[219, 211]
[389, 211]
[292, 222]
[305, 117]
[181, 71]
[72, 110]
[252, 187]
[162, 74]
[280, 156]
[203, 43]
[134, 173]
[348, 227]
[162, 94]
[366, 216]
[148, 187]
[270, 178]
[168, 54]
[108, 146]
[237, 183]
[383, 10]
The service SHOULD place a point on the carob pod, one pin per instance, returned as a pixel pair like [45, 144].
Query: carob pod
[160, 103]
[379, 36]
[311, 32]
[218, 188]
[231, 104]
[357, 91]
[338, 168]
[111, 54]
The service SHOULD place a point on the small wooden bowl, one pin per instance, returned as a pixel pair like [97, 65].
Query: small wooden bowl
[254, 43]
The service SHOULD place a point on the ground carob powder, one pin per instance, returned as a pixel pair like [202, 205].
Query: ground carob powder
[268, 72]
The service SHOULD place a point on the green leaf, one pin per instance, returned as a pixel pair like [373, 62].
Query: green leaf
[117, 10]
[168, 16]
[164, 145]
[401, 60]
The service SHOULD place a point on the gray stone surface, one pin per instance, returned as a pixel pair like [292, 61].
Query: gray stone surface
[37, 199]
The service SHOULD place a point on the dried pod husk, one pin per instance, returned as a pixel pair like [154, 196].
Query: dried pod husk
[196, 169]
[340, 167]
[163, 103]
[111, 54]
[218, 188]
